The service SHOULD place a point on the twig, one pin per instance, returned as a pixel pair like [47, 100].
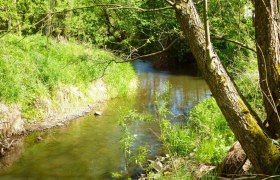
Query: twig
[170, 2]
[269, 95]
[158, 52]
[272, 177]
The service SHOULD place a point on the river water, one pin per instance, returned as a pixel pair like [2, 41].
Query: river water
[89, 148]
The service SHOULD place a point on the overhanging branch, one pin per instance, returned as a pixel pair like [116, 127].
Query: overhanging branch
[141, 9]
[233, 41]
[158, 52]
[113, 7]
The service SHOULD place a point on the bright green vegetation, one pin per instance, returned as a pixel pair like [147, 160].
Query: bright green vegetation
[36, 67]
[202, 138]
[105, 26]
[205, 137]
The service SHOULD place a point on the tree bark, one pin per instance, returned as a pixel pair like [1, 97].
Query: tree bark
[241, 119]
[268, 51]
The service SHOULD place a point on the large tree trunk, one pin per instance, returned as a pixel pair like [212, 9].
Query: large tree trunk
[243, 122]
[268, 51]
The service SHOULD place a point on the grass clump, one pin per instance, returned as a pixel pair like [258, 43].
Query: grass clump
[34, 67]
[204, 138]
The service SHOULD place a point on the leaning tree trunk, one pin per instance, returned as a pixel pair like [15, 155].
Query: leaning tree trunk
[268, 51]
[245, 125]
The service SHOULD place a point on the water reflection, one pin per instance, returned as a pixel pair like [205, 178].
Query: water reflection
[187, 88]
[89, 147]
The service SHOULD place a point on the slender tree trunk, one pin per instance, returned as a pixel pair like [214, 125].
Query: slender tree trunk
[49, 17]
[17, 19]
[48, 25]
[106, 16]
[241, 119]
[67, 21]
[268, 51]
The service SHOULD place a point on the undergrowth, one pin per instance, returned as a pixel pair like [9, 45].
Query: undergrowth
[34, 66]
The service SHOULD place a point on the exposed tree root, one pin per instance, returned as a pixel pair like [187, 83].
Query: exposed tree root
[235, 162]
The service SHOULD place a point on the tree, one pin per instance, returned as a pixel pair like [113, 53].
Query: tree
[243, 121]
[253, 135]
[268, 51]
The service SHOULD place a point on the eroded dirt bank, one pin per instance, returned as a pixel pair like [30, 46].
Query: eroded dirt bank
[69, 104]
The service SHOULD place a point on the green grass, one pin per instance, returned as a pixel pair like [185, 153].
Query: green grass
[205, 138]
[34, 67]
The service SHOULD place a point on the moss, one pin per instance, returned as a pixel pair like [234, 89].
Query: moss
[278, 69]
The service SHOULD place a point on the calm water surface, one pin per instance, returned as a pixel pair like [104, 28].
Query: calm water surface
[88, 148]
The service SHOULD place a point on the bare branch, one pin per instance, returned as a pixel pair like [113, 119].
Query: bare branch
[140, 9]
[207, 30]
[170, 2]
[113, 7]
[129, 59]
[233, 41]
[158, 52]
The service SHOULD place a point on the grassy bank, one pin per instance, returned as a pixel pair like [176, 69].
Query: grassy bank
[206, 137]
[39, 75]
[203, 140]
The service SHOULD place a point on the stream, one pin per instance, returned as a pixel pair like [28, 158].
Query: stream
[88, 147]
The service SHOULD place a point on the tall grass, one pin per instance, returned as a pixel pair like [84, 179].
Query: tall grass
[204, 137]
[210, 133]
[35, 66]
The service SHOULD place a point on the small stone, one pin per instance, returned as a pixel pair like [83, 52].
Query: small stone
[39, 138]
[157, 165]
[191, 155]
[97, 113]
[59, 124]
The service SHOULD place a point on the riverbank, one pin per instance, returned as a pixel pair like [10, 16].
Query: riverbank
[45, 82]
[201, 148]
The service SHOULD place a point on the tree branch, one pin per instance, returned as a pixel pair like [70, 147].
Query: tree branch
[141, 9]
[170, 2]
[207, 30]
[158, 52]
[233, 41]
[129, 59]
[112, 7]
